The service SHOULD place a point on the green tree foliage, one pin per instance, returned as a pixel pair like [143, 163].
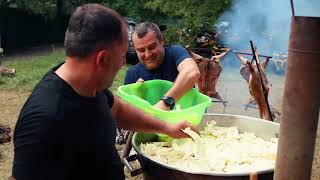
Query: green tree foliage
[44, 7]
[188, 18]
[135, 9]
[182, 18]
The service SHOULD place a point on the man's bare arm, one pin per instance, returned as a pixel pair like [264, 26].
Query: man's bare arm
[188, 75]
[134, 119]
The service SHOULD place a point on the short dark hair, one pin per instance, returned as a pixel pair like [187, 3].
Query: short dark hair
[92, 27]
[143, 28]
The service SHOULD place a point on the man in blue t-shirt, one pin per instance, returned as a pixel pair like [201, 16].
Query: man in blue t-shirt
[172, 63]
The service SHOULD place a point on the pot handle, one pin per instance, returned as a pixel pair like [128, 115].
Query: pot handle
[126, 161]
[253, 176]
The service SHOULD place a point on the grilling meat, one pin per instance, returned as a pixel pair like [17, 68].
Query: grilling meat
[210, 70]
[251, 74]
[256, 91]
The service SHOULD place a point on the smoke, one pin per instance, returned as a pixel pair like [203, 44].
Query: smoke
[266, 23]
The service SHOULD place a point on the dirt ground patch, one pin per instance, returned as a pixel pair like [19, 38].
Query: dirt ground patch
[10, 106]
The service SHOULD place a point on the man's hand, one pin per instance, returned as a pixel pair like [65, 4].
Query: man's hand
[162, 105]
[140, 80]
[174, 130]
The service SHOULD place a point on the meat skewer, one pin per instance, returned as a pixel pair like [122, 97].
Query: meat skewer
[260, 75]
[210, 70]
[250, 73]
[237, 52]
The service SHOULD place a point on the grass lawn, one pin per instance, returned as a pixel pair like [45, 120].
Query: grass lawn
[29, 71]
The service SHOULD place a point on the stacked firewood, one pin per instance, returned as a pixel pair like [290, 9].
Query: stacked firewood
[5, 136]
[6, 71]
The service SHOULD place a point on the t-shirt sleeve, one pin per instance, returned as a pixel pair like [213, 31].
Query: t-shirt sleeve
[130, 76]
[33, 140]
[180, 54]
[110, 97]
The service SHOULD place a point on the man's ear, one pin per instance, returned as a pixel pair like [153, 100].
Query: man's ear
[161, 40]
[101, 58]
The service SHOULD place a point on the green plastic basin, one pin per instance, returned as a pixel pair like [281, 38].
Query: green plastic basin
[190, 107]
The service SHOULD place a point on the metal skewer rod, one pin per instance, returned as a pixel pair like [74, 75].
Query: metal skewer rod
[262, 84]
[251, 54]
[292, 7]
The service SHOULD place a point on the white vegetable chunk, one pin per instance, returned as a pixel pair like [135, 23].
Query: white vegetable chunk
[216, 150]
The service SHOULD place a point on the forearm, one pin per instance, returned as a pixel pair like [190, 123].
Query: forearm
[186, 79]
[134, 119]
[184, 82]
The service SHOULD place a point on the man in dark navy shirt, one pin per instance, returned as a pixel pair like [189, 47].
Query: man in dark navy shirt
[172, 63]
[66, 128]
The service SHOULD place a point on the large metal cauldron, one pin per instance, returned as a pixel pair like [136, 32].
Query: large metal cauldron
[153, 170]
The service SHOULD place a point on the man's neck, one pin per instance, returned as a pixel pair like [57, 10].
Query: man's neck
[77, 75]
